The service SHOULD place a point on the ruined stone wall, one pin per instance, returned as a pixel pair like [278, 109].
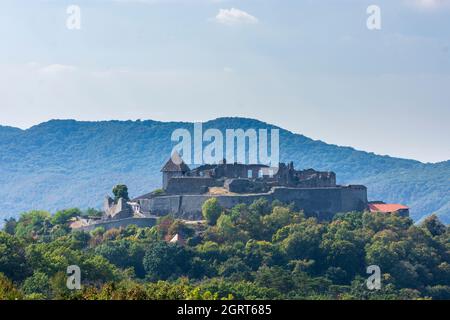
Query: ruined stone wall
[354, 198]
[246, 186]
[323, 203]
[229, 170]
[119, 210]
[167, 176]
[191, 185]
[121, 223]
[315, 201]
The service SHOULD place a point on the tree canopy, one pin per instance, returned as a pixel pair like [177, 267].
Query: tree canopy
[120, 191]
[259, 251]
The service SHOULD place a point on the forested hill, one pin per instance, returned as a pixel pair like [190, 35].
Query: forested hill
[65, 163]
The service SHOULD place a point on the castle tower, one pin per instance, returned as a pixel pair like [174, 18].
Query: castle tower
[174, 167]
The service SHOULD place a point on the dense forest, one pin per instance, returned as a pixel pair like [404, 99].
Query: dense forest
[262, 251]
[64, 163]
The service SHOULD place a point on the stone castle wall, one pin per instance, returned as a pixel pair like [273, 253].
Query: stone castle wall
[354, 198]
[323, 203]
[119, 210]
[191, 185]
[120, 223]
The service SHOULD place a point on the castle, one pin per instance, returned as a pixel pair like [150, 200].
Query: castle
[184, 191]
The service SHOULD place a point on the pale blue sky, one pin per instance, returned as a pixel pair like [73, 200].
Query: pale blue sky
[309, 66]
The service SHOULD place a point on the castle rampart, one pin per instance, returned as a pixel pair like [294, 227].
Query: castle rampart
[120, 223]
[185, 191]
[191, 185]
[323, 203]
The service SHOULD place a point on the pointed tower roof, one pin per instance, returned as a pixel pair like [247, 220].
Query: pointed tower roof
[175, 164]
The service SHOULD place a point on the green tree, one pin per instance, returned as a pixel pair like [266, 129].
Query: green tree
[258, 253]
[96, 268]
[63, 216]
[7, 289]
[227, 230]
[242, 290]
[91, 212]
[236, 269]
[38, 283]
[52, 257]
[344, 255]
[343, 245]
[337, 275]
[163, 261]
[124, 254]
[278, 218]
[301, 240]
[58, 285]
[211, 211]
[79, 240]
[181, 228]
[434, 226]
[260, 206]
[12, 257]
[120, 191]
[439, 292]
[251, 252]
[248, 221]
[33, 225]
[9, 226]
[275, 277]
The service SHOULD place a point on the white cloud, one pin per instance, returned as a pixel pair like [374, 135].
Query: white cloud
[429, 4]
[56, 69]
[235, 16]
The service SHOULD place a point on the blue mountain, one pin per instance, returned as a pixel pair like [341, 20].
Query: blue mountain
[65, 163]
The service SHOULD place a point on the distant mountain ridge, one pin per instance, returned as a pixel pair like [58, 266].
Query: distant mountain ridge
[67, 163]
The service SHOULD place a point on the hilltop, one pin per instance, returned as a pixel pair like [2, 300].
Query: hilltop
[66, 163]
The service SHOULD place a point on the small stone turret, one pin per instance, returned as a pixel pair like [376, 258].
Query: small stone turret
[119, 210]
[175, 167]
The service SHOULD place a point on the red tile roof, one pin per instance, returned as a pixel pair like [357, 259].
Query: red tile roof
[386, 207]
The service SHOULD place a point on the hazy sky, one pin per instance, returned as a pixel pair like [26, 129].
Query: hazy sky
[310, 66]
